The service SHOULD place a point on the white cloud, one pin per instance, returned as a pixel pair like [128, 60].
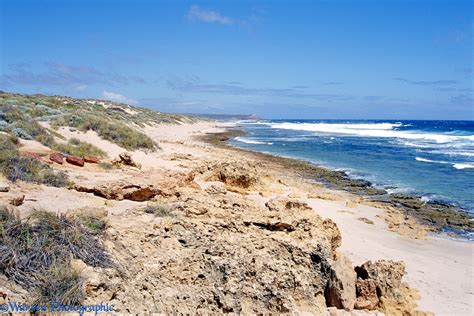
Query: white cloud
[81, 87]
[208, 16]
[116, 97]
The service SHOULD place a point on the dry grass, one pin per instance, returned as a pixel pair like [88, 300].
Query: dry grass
[15, 167]
[36, 252]
[159, 209]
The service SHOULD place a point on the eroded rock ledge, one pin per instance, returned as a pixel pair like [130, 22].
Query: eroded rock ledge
[220, 252]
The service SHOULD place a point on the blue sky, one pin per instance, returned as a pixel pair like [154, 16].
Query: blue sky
[397, 59]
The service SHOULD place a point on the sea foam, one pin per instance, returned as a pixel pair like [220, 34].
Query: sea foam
[384, 130]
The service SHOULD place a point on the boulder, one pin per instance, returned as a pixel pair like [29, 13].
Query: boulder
[386, 274]
[57, 158]
[17, 200]
[125, 159]
[283, 204]
[4, 187]
[240, 174]
[121, 191]
[91, 159]
[76, 161]
[341, 289]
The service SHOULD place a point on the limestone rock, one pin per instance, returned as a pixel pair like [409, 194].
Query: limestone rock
[241, 174]
[394, 297]
[282, 205]
[4, 187]
[17, 200]
[366, 294]
[121, 191]
[76, 161]
[125, 159]
[341, 290]
[387, 274]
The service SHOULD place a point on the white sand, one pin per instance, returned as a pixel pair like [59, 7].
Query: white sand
[442, 270]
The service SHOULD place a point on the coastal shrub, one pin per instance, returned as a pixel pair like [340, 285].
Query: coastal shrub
[8, 143]
[95, 224]
[60, 283]
[78, 148]
[116, 132]
[3, 125]
[53, 178]
[21, 168]
[21, 133]
[159, 209]
[15, 167]
[27, 169]
[36, 253]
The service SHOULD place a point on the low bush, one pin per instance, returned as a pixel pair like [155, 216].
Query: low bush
[53, 178]
[78, 148]
[95, 224]
[115, 132]
[36, 253]
[15, 167]
[21, 168]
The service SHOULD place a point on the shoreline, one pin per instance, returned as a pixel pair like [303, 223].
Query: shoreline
[443, 219]
[186, 174]
[367, 233]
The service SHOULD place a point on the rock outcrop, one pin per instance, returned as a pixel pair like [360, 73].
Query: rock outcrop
[341, 289]
[91, 159]
[76, 161]
[121, 190]
[379, 286]
[125, 159]
[236, 173]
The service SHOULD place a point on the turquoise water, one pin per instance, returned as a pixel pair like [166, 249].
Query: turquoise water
[434, 159]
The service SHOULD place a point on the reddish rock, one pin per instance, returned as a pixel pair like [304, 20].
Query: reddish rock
[91, 159]
[57, 158]
[76, 161]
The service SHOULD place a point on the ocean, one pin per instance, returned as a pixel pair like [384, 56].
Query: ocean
[432, 159]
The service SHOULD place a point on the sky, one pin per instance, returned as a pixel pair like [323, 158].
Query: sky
[332, 59]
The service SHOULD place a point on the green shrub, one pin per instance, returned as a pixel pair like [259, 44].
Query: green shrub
[53, 178]
[21, 168]
[21, 133]
[15, 167]
[78, 148]
[94, 224]
[116, 132]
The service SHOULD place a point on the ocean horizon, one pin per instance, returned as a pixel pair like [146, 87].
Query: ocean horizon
[433, 159]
